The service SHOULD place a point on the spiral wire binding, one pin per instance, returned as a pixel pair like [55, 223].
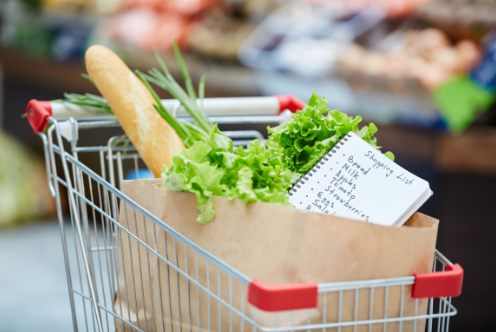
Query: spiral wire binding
[317, 165]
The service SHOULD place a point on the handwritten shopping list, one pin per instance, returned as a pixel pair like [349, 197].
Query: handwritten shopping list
[356, 181]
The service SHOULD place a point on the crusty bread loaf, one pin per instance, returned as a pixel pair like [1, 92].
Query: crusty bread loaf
[132, 103]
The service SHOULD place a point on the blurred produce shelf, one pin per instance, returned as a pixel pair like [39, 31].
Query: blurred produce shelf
[404, 103]
[380, 99]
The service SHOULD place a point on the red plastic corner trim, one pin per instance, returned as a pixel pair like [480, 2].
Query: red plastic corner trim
[38, 113]
[289, 102]
[282, 297]
[439, 284]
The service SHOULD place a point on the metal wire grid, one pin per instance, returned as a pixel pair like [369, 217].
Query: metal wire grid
[114, 270]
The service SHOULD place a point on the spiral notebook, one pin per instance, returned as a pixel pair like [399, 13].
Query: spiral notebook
[354, 180]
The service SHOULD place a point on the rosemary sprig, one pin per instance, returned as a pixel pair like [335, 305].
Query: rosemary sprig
[87, 100]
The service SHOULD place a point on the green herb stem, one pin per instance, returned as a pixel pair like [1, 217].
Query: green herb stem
[172, 121]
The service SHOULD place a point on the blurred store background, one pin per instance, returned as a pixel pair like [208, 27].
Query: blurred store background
[423, 71]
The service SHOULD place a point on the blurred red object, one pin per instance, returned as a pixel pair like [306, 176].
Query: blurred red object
[150, 4]
[147, 29]
[133, 27]
[152, 24]
[184, 7]
[170, 25]
[191, 7]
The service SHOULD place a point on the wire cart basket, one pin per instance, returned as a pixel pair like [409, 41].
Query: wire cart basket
[93, 262]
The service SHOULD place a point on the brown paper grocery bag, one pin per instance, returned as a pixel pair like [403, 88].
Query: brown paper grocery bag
[274, 244]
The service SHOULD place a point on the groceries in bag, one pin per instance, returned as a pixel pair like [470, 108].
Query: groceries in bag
[211, 165]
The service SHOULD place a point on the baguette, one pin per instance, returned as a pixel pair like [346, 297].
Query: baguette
[132, 103]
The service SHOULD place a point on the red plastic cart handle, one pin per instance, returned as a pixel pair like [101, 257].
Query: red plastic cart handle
[282, 297]
[289, 102]
[439, 284]
[38, 113]
[304, 296]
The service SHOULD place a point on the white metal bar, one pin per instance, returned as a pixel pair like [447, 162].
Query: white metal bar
[352, 285]
[49, 141]
[72, 201]
[213, 107]
[230, 106]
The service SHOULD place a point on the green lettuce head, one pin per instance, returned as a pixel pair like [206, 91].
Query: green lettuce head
[310, 134]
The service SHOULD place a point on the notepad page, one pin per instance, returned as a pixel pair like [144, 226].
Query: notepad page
[356, 181]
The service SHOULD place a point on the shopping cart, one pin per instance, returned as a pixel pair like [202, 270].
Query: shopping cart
[93, 262]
